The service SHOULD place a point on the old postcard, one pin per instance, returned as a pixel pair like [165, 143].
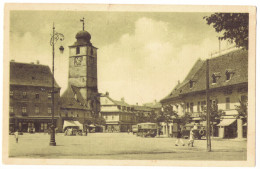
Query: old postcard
[149, 85]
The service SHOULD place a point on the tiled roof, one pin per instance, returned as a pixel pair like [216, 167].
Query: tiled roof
[72, 99]
[153, 105]
[118, 103]
[235, 62]
[141, 108]
[31, 75]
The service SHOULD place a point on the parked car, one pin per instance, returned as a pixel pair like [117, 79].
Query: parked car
[147, 129]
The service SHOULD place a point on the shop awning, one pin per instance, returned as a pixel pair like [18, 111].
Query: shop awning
[226, 122]
[70, 123]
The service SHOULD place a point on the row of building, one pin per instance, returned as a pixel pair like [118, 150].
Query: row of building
[31, 94]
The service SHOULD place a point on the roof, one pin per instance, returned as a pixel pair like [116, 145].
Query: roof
[29, 74]
[141, 108]
[235, 62]
[72, 99]
[153, 105]
[118, 103]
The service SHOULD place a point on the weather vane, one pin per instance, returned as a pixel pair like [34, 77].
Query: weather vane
[83, 20]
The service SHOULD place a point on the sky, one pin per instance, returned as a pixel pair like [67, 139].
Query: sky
[141, 55]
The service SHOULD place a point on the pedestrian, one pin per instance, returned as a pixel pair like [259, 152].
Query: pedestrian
[128, 131]
[179, 138]
[86, 132]
[191, 141]
[16, 135]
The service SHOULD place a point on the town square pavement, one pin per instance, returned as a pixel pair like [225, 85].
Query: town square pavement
[123, 146]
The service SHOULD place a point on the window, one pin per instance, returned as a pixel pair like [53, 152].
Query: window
[78, 50]
[191, 83]
[24, 95]
[49, 110]
[66, 114]
[11, 93]
[227, 76]
[91, 51]
[112, 117]
[214, 79]
[11, 109]
[203, 104]
[227, 103]
[37, 95]
[191, 107]
[198, 107]
[77, 115]
[24, 109]
[187, 107]
[37, 109]
[49, 96]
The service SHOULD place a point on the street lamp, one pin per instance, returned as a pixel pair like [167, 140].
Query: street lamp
[55, 37]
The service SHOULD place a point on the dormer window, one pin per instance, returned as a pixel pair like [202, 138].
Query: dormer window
[229, 74]
[191, 83]
[215, 77]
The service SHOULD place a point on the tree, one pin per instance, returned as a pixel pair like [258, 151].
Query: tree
[242, 109]
[233, 25]
[167, 116]
[185, 119]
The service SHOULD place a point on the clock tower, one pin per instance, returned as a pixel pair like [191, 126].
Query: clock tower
[83, 69]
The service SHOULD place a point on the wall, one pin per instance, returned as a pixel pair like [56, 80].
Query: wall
[30, 102]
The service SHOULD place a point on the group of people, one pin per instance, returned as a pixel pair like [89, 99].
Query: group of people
[191, 140]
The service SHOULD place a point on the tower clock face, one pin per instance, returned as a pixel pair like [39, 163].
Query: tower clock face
[77, 61]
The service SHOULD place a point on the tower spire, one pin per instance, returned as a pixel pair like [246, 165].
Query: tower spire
[83, 20]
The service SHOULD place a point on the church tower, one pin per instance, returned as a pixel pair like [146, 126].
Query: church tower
[83, 69]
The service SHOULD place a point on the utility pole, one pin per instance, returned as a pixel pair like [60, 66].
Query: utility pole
[208, 107]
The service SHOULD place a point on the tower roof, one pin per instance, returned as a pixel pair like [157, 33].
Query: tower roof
[84, 35]
[83, 38]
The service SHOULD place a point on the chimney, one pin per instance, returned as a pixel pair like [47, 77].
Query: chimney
[12, 60]
[38, 62]
[123, 99]
[137, 104]
[107, 93]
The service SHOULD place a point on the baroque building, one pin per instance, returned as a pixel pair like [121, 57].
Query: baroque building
[119, 115]
[228, 86]
[30, 98]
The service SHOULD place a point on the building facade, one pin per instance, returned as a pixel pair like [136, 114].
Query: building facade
[31, 98]
[119, 115]
[228, 85]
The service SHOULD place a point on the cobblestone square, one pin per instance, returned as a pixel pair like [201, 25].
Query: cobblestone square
[125, 146]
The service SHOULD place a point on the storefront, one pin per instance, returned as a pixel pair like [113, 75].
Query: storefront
[35, 124]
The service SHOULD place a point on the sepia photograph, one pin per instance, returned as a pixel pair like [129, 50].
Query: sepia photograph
[129, 84]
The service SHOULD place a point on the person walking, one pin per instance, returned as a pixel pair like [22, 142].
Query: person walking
[16, 134]
[191, 141]
[179, 138]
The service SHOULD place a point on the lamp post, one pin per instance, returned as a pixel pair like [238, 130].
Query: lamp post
[55, 37]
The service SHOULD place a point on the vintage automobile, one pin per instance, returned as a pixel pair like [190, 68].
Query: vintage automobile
[147, 129]
[199, 131]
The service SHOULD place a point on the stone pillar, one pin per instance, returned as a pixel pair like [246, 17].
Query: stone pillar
[221, 131]
[239, 128]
